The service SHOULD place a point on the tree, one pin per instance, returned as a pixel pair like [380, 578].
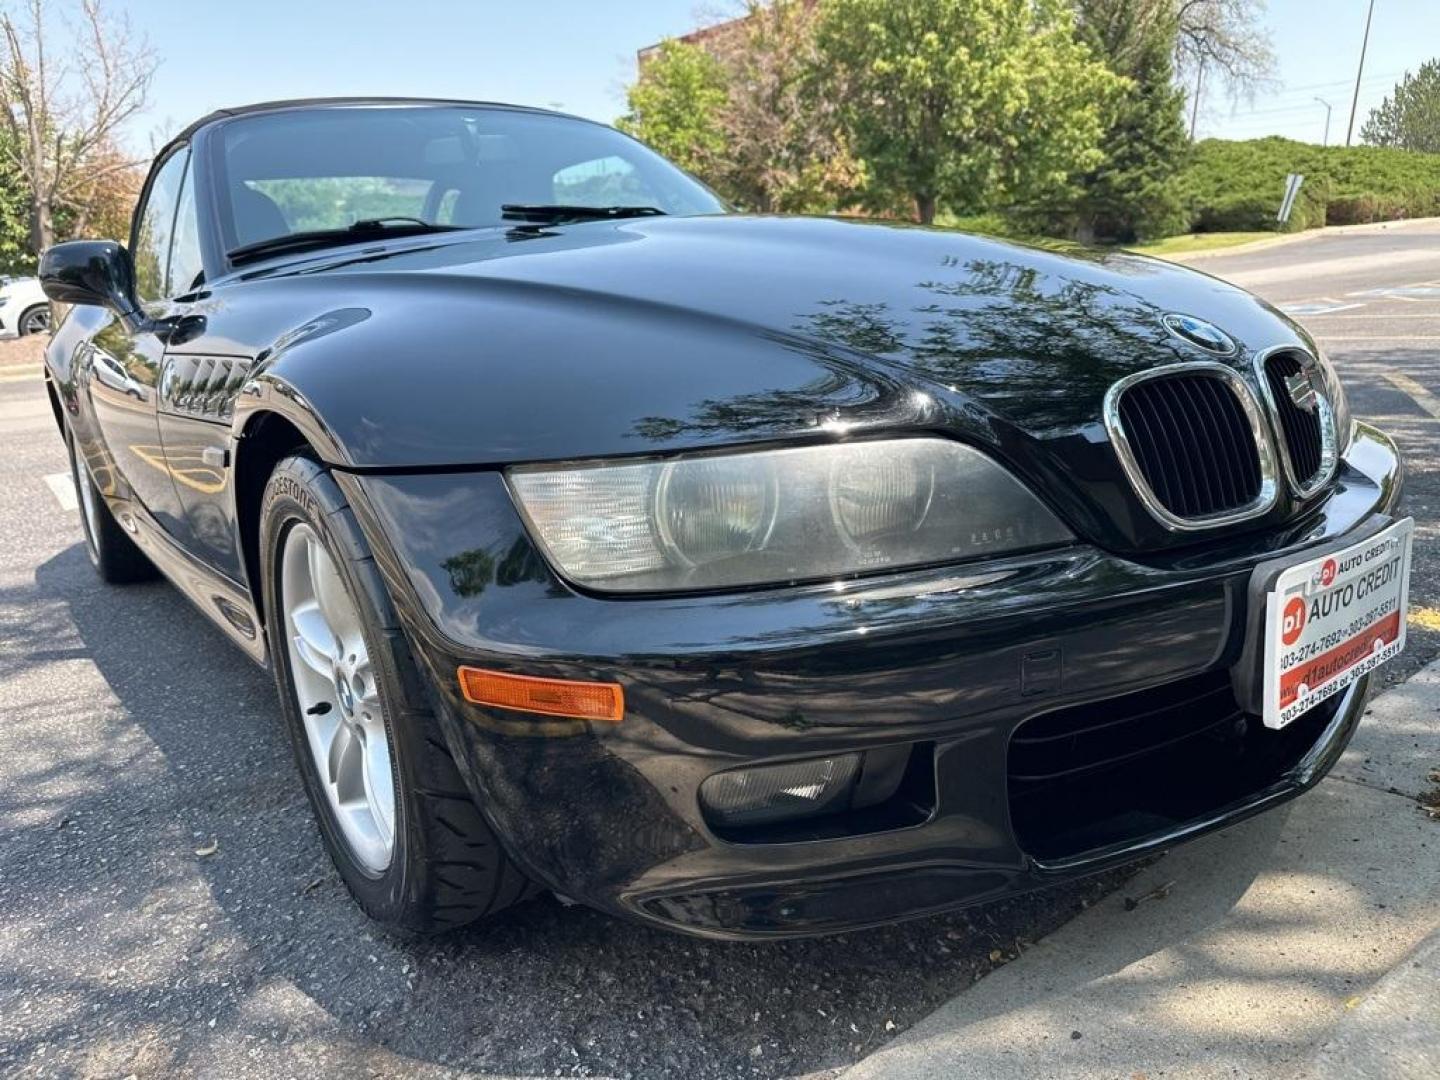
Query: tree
[105, 203]
[737, 109]
[64, 117]
[675, 107]
[1223, 38]
[981, 103]
[1410, 117]
[15, 254]
[1135, 191]
[783, 148]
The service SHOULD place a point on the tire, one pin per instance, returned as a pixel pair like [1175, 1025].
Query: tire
[445, 867]
[34, 320]
[112, 552]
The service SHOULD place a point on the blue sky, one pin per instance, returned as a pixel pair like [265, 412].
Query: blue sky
[560, 53]
[578, 56]
[1317, 44]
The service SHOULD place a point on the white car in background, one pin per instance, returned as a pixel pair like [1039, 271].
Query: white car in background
[24, 309]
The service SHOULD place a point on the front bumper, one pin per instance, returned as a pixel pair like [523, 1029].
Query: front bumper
[951, 662]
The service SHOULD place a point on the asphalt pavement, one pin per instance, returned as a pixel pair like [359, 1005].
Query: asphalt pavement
[166, 908]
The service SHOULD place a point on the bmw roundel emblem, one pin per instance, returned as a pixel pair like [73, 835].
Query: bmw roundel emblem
[1201, 334]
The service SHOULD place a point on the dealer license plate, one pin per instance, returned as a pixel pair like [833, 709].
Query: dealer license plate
[1331, 620]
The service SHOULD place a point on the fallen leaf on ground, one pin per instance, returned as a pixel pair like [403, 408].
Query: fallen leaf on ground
[209, 849]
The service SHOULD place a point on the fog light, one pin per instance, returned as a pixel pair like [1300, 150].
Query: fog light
[785, 792]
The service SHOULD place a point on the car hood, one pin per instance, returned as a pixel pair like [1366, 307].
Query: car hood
[1032, 335]
[671, 334]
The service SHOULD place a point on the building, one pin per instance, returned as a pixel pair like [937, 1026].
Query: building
[712, 38]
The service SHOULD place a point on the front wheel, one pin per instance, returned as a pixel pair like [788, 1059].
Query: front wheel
[394, 813]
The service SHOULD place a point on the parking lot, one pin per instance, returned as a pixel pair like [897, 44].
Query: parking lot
[165, 904]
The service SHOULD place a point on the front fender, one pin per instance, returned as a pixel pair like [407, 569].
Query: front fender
[288, 374]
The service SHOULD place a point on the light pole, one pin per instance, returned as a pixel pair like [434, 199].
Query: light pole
[1195, 105]
[1326, 140]
[1364, 44]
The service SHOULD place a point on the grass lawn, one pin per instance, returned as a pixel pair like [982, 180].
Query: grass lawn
[995, 225]
[1180, 245]
[1185, 244]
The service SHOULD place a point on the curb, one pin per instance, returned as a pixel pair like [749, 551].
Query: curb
[1393, 1032]
[1295, 238]
[19, 372]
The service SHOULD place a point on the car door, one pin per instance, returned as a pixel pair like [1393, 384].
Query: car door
[120, 367]
[197, 398]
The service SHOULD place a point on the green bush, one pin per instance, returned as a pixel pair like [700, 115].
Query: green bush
[1237, 186]
[992, 224]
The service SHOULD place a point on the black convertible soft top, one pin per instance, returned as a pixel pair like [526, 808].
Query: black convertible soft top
[344, 102]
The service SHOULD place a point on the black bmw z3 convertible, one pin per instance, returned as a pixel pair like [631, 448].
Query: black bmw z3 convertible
[749, 576]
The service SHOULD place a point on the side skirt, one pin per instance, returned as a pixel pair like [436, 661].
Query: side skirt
[226, 603]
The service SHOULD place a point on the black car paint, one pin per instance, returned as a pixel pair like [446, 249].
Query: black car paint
[417, 368]
[715, 682]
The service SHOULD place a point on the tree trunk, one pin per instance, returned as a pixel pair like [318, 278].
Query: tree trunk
[925, 209]
[42, 225]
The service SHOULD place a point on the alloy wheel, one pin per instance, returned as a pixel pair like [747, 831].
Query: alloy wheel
[35, 321]
[335, 685]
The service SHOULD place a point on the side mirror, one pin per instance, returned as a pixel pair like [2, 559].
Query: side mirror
[95, 272]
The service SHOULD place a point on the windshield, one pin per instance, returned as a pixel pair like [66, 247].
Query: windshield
[298, 171]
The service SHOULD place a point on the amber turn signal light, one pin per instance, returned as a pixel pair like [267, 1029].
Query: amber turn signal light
[551, 697]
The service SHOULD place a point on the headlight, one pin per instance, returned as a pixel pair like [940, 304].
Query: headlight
[767, 517]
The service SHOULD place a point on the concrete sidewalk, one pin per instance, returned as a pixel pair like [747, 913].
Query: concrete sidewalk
[1267, 956]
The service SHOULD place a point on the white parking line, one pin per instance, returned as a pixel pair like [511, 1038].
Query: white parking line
[1324, 306]
[1417, 393]
[1381, 337]
[63, 488]
[1410, 293]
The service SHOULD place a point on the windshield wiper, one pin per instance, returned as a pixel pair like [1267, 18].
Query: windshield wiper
[551, 213]
[298, 241]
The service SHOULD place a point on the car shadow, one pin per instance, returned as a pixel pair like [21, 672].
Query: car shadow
[210, 841]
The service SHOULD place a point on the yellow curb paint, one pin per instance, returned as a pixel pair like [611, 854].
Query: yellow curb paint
[1426, 618]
